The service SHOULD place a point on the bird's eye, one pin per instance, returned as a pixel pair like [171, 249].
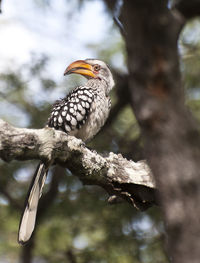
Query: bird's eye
[96, 67]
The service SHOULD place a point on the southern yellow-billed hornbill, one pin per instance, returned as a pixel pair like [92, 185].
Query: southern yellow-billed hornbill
[81, 113]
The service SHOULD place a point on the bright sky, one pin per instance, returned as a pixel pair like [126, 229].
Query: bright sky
[27, 28]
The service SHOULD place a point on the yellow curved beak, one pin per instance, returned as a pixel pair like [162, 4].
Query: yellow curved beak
[80, 67]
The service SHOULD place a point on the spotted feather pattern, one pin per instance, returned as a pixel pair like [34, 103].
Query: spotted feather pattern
[72, 112]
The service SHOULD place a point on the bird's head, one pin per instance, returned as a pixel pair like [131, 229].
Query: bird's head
[92, 69]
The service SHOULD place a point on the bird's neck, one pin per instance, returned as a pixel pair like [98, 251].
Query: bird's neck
[99, 84]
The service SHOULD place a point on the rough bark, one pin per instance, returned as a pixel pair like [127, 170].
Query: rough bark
[128, 180]
[172, 140]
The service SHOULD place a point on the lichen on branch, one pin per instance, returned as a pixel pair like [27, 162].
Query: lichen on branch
[120, 177]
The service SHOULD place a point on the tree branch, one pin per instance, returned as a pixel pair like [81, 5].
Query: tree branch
[128, 180]
[189, 9]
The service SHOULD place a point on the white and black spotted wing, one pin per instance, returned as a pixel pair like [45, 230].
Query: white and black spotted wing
[71, 112]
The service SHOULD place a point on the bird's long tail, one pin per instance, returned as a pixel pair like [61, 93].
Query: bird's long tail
[28, 218]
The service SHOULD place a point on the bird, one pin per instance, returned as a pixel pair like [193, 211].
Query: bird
[81, 113]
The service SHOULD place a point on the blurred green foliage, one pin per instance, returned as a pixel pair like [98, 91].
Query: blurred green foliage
[189, 46]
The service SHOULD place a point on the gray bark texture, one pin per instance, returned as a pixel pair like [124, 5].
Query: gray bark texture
[171, 136]
[122, 179]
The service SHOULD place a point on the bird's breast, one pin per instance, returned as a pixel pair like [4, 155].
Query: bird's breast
[99, 112]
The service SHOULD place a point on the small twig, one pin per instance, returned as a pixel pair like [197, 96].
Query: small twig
[116, 15]
[70, 256]
[0, 6]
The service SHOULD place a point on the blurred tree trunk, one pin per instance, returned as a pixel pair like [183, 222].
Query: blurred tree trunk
[172, 140]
